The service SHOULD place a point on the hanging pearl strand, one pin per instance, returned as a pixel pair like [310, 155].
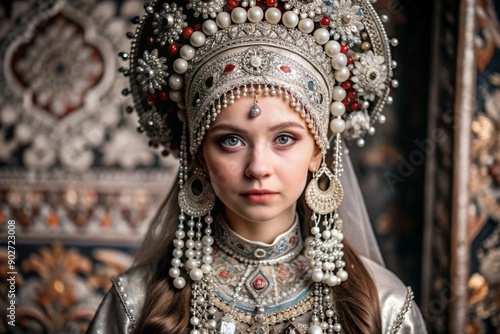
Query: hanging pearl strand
[175, 272]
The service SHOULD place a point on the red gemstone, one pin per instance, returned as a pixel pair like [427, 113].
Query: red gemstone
[346, 85]
[187, 32]
[285, 69]
[173, 48]
[270, 3]
[163, 95]
[350, 60]
[346, 101]
[229, 68]
[325, 21]
[354, 105]
[344, 48]
[151, 98]
[232, 4]
[259, 283]
[351, 94]
[197, 27]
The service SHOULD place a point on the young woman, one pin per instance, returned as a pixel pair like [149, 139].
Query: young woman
[251, 238]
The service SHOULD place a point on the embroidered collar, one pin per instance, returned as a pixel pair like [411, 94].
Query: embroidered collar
[286, 245]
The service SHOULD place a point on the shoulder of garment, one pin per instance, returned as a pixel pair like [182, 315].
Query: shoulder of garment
[122, 304]
[400, 313]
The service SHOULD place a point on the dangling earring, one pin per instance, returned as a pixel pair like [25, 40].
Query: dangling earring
[325, 250]
[194, 204]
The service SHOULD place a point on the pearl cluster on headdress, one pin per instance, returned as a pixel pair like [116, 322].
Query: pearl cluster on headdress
[350, 33]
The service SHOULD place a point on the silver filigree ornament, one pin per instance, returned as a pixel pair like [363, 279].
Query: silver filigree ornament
[256, 61]
[206, 8]
[169, 23]
[346, 20]
[152, 71]
[370, 75]
[306, 8]
[153, 124]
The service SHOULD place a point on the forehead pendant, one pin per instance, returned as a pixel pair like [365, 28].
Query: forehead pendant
[255, 109]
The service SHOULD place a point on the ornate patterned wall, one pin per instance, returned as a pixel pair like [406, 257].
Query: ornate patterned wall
[76, 179]
[484, 229]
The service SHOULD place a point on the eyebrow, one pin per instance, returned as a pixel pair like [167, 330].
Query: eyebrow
[279, 126]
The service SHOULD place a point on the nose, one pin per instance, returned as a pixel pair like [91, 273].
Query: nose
[259, 163]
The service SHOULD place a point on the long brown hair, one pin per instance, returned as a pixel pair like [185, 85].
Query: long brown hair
[356, 300]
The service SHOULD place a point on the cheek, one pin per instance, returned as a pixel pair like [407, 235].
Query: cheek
[222, 172]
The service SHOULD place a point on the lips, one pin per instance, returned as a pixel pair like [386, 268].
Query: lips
[259, 195]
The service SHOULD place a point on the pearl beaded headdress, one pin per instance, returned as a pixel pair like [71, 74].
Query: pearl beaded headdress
[344, 64]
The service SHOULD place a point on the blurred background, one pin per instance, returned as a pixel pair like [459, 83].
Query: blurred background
[78, 184]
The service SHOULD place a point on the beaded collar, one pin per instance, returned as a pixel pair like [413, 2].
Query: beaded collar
[285, 247]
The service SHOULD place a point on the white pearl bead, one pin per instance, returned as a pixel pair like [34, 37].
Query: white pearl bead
[342, 74]
[390, 100]
[339, 61]
[196, 274]
[360, 142]
[179, 282]
[207, 259]
[208, 240]
[180, 65]
[381, 119]
[314, 329]
[290, 19]
[329, 313]
[175, 96]
[175, 81]
[209, 27]
[189, 243]
[337, 125]
[174, 272]
[255, 14]
[326, 234]
[273, 15]
[317, 276]
[333, 280]
[339, 93]
[176, 262]
[324, 325]
[197, 39]
[306, 25]
[384, 18]
[337, 108]
[223, 20]
[342, 275]
[178, 243]
[395, 83]
[394, 42]
[194, 331]
[332, 48]
[239, 15]
[180, 234]
[194, 321]
[206, 268]
[189, 253]
[177, 253]
[315, 230]
[371, 130]
[187, 52]
[192, 263]
[337, 327]
[321, 36]
[327, 266]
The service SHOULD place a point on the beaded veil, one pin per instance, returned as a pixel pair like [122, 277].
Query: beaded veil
[329, 59]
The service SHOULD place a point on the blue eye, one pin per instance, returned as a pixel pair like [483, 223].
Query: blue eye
[231, 141]
[285, 140]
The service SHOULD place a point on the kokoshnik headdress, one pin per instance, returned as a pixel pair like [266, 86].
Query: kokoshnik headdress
[330, 59]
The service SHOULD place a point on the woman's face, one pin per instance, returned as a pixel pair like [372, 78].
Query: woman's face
[258, 165]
